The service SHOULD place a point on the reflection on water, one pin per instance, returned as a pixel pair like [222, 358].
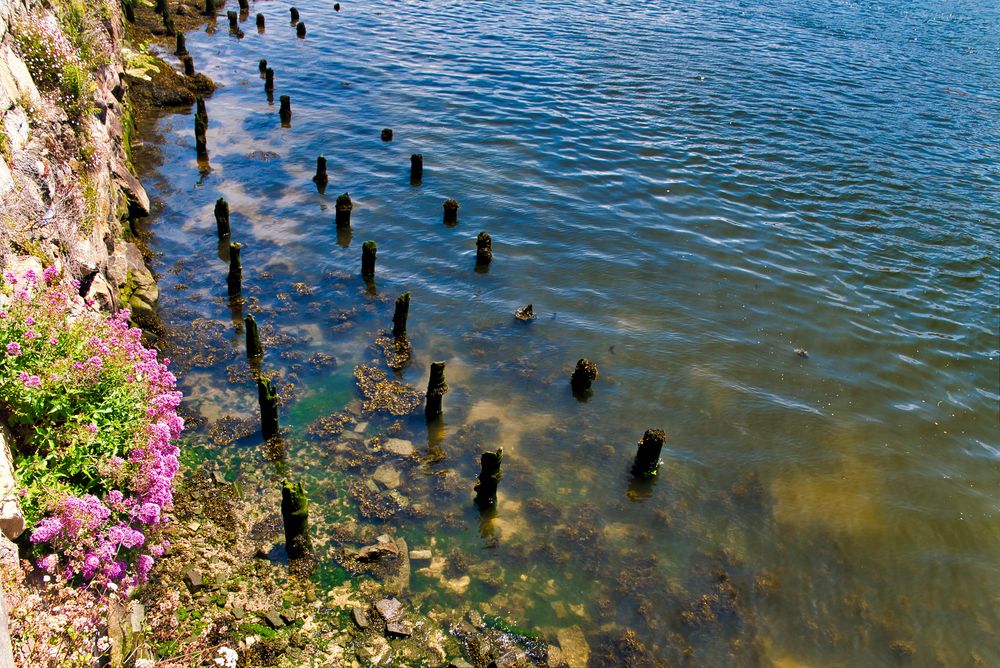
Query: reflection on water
[687, 195]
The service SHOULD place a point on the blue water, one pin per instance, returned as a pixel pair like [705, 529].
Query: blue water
[686, 193]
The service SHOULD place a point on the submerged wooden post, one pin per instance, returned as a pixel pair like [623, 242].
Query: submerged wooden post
[295, 14]
[209, 8]
[295, 516]
[484, 249]
[222, 217]
[416, 169]
[436, 389]
[344, 207]
[181, 49]
[285, 111]
[584, 374]
[269, 79]
[401, 313]
[647, 458]
[450, 212]
[267, 397]
[489, 478]
[244, 5]
[233, 16]
[234, 281]
[255, 350]
[386, 134]
[260, 22]
[201, 136]
[300, 30]
[321, 177]
[368, 251]
[262, 66]
[200, 109]
[188, 63]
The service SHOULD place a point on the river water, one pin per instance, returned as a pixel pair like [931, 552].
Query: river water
[686, 193]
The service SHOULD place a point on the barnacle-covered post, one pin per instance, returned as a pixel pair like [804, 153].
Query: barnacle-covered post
[294, 14]
[295, 516]
[285, 111]
[321, 178]
[255, 350]
[344, 207]
[222, 217]
[235, 278]
[584, 374]
[209, 8]
[436, 389]
[201, 136]
[260, 22]
[267, 397]
[200, 108]
[484, 249]
[181, 48]
[450, 212]
[368, 251]
[400, 315]
[416, 169]
[262, 66]
[489, 478]
[647, 458]
[233, 16]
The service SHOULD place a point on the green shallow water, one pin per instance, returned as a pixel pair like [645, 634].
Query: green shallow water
[686, 194]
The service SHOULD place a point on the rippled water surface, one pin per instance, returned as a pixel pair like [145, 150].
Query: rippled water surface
[686, 193]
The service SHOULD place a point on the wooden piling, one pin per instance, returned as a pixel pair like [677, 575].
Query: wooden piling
[255, 350]
[400, 315]
[437, 387]
[386, 134]
[321, 177]
[260, 23]
[181, 46]
[484, 249]
[343, 209]
[201, 136]
[209, 8]
[244, 5]
[300, 30]
[267, 398]
[294, 14]
[336, 6]
[368, 251]
[489, 478]
[416, 169]
[584, 374]
[450, 212]
[234, 281]
[285, 112]
[200, 108]
[233, 20]
[647, 458]
[188, 63]
[262, 66]
[269, 79]
[222, 218]
[295, 516]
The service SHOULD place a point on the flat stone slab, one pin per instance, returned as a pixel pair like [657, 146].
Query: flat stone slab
[576, 651]
[399, 446]
[390, 609]
[273, 619]
[359, 617]
[420, 555]
[399, 629]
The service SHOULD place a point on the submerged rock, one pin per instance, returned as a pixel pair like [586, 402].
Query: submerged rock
[380, 393]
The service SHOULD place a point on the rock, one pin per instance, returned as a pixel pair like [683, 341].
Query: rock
[377, 551]
[421, 555]
[360, 427]
[11, 517]
[136, 616]
[220, 478]
[274, 619]
[239, 612]
[359, 617]
[459, 663]
[398, 583]
[399, 629]
[288, 617]
[515, 658]
[194, 580]
[554, 658]
[399, 446]
[8, 552]
[576, 651]
[390, 609]
[388, 475]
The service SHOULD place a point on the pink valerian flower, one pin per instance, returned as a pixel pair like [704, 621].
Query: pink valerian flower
[9, 277]
[91, 427]
[50, 274]
[30, 334]
[30, 381]
[13, 348]
[29, 320]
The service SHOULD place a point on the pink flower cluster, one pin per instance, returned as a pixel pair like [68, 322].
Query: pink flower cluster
[111, 538]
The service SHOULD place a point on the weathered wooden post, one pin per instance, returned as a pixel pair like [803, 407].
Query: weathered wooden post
[368, 251]
[188, 63]
[233, 18]
[489, 478]
[209, 8]
[262, 66]
[436, 389]
[336, 6]
[244, 5]
[181, 49]
[222, 217]
[484, 249]
[201, 136]
[168, 24]
[285, 111]
[200, 109]
[267, 397]
[269, 79]
[344, 207]
[321, 177]
[260, 22]
[300, 30]
[386, 134]
[416, 169]
[295, 14]
[450, 212]
[295, 515]
[400, 314]
[584, 374]
[234, 281]
[647, 458]
[255, 349]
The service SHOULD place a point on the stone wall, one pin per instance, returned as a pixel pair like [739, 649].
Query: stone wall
[57, 207]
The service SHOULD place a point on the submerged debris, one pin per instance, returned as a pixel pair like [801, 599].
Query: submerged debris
[329, 426]
[380, 393]
[397, 351]
[525, 313]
